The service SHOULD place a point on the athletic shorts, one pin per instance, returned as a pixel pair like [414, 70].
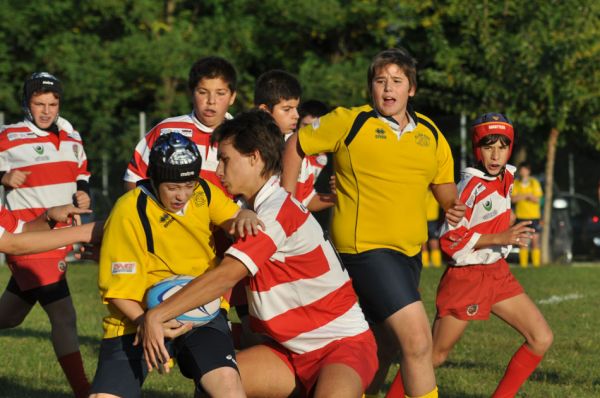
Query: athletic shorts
[468, 293]
[122, 368]
[385, 281]
[433, 229]
[30, 273]
[358, 352]
[535, 223]
[45, 294]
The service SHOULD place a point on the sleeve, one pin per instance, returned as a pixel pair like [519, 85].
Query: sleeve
[326, 133]
[8, 222]
[4, 163]
[123, 255]
[221, 207]
[82, 166]
[445, 171]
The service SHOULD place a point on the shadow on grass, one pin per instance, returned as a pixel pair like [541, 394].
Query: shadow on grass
[21, 332]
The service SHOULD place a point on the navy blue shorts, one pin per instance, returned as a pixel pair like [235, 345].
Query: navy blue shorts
[122, 368]
[432, 229]
[44, 294]
[385, 281]
[535, 223]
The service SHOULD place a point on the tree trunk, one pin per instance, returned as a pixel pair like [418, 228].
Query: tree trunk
[548, 197]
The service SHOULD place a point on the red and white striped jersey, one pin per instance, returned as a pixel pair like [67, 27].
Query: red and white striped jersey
[488, 211]
[56, 164]
[309, 172]
[8, 222]
[299, 293]
[187, 125]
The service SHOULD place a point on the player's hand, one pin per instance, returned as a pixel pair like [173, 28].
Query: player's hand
[332, 185]
[14, 178]
[82, 200]
[175, 328]
[65, 213]
[455, 213]
[151, 334]
[246, 222]
[520, 234]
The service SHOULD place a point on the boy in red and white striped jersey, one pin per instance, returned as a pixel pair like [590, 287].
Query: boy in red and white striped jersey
[299, 294]
[478, 281]
[43, 164]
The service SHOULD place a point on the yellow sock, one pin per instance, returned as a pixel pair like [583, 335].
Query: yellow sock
[523, 257]
[535, 257]
[436, 258]
[431, 394]
[425, 258]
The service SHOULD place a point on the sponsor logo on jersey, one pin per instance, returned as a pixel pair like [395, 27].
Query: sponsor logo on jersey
[421, 139]
[39, 149]
[487, 205]
[76, 151]
[380, 134]
[185, 132]
[62, 266]
[166, 220]
[472, 309]
[20, 136]
[42, 158]
[118, 268]
[491, 215]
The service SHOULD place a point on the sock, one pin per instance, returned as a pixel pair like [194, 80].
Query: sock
[431, 394]
[535, 257]
[523, 257]
[72, 366]
[397, 387]
[436, 258]
[522, 364]
[425, 258]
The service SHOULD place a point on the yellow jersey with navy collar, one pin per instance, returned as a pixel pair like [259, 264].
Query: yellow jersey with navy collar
[528, 209]
[143, 243]
[382, 177]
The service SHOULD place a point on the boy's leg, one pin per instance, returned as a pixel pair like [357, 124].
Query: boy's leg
[14, 307]
[265, 373]
[338, 380]
[387, 352]
[523, 315]
[447, 331]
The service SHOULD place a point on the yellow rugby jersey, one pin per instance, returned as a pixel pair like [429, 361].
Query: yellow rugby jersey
[433, 207]
[526, 209]
[381, 180]
[177, 244]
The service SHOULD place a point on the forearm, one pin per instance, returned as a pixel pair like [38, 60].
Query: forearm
[41, 223]
[292, 161]
[37, 242]
[445, 194]
[487, 240]
[321, 201]
[130, 308]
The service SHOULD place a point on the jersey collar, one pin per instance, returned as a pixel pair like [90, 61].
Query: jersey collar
[390, 121]
[272, 184]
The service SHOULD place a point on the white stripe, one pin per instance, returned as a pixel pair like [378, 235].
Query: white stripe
[554, 299]
[349, 324]
[41, 197]
[245, 259]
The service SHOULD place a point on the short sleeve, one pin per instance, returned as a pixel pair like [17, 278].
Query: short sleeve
[326, 133]
[445, 171]
[221, 207]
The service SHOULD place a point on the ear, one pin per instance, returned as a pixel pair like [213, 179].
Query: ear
[254, 157]
[264, 107]
[232, 99]
[412, 91]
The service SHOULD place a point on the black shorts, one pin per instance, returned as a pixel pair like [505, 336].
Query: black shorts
[44, 294]
[432, 229]
[535, 223]
[385, 281]
[122, 368]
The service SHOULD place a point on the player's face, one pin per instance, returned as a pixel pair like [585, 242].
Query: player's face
[391, 90]
[494, 157]
[239, 173]
[212, 99]
[285, 114]
[306, 120]
[44, 109]
[524, 173]
[175, 195]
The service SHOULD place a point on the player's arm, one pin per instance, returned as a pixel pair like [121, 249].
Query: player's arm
[41, 241]
[53, 215]
[447, 196]
[292, 162]
[518, 234]
[244, 222]
[321, 201]
[201, 290]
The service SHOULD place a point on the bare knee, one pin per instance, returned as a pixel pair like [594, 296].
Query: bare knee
[417, 347]
[541, 341]
[223, 382]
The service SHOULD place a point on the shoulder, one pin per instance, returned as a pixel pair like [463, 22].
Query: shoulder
[471, 186]
[423, 122]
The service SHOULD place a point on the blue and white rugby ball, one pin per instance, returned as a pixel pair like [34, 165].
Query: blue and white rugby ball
[167, 287]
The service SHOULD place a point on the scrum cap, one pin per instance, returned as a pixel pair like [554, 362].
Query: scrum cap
[488, 124]
[174, 158]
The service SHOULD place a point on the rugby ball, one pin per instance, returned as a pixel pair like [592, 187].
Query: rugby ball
[164, 289]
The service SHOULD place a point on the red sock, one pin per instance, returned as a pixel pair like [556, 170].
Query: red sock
[397, 387]
[522, 364]
[72, 366]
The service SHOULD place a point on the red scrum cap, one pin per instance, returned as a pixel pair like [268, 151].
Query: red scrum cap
[491, 123]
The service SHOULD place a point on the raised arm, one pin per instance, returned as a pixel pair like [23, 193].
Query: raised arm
[292, 161]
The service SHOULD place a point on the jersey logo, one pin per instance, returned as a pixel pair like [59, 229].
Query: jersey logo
[380, 134]
[472, 309]
[487, 205]
[62, 266]
[166, 220]
[20, 136]
[76, 151]
[199, 199]
[39, 149]
[123, 268]
[185, 132]
[421, 139]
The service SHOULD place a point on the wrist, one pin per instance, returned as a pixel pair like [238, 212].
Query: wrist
[51, 223]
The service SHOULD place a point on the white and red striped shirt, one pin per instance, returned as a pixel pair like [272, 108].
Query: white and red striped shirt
[188, 126]
[309, 172]
[299, 293]
[488, 211]
[8, 222]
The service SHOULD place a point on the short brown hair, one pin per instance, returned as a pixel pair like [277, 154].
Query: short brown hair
[397, 56]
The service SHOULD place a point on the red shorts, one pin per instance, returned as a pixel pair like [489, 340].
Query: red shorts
[36, 272]
[358, 352]
[468, 293]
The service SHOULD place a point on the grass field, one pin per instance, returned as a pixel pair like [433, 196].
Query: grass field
[568, 296]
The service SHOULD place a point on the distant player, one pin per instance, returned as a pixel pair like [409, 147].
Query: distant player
[527, 195]
[478, 280]
[43, 164]
[299, 294]
[158, 230]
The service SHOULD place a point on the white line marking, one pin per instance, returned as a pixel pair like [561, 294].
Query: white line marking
[554, 299]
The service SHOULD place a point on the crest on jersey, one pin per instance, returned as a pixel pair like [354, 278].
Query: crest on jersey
[472, 309]
[487, 205]
[421, 139]
[199, 199]
[62, 266]
[39, 149]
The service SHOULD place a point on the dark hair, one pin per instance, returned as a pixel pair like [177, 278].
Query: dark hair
[397, 56]
[212, 68]
[254, 130]
[274, 86]
[524, 164]
[313, 108]
[491, 139]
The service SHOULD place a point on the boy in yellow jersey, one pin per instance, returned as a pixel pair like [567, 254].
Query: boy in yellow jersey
[158, 230]
[386, 156]
[527, 194]
[430, 252]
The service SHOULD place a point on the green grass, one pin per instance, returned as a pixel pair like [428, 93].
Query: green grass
[570, 369]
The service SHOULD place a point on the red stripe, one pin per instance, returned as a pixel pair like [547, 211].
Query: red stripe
[8, 221]
[259, 248]
[310, 317]
[291, 216]
[305, 266]
[50, 174]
